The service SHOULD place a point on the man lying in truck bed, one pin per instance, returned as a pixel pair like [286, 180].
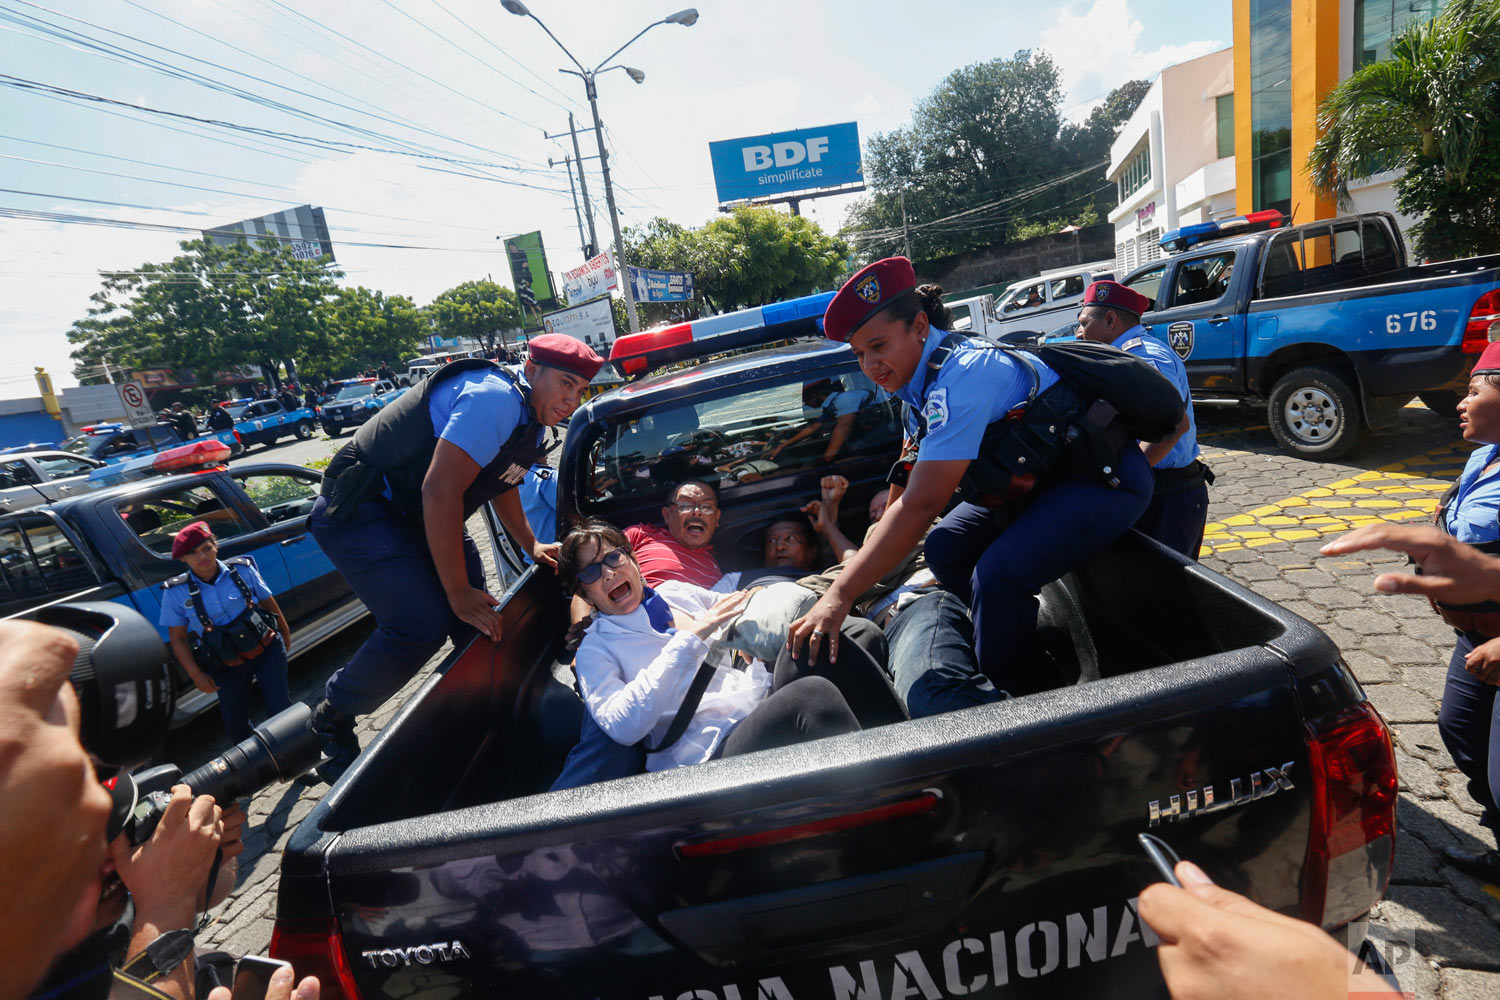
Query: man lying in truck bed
[989, 851]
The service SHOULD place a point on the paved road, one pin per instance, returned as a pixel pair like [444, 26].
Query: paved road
[1269, 514]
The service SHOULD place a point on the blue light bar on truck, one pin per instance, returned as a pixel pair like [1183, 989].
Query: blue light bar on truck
[638, 353]
[1186, 237]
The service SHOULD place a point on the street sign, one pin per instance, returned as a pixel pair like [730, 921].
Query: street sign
[660, 286]
[594, 278]
[138, 412]
[807, 159]
[593, 323]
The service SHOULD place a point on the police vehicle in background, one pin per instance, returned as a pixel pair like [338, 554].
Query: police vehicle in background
[265, 421]
[358, 400]
[115, 544]
[1327, 324]
[112, 443]
[991, 851]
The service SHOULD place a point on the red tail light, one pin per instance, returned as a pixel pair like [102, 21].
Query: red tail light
[1477, 331]
[1352, 836]
[916, 806]
[315, 948]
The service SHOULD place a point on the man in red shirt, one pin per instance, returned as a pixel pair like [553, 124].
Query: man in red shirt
[683, 550]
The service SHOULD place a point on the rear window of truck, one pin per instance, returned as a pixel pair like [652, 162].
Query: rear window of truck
[730, 440]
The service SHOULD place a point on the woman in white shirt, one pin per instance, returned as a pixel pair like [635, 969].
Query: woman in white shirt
[637, 664]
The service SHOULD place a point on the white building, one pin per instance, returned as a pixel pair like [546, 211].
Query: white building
[1173, 161]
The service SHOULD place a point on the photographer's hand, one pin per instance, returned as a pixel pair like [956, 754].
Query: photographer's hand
[280, 988]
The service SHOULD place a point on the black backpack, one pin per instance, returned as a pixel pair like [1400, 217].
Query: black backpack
[1147, 402]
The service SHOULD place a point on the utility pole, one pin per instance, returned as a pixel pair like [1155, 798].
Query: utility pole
[905, 229]
[583, 244]
[592, 248]
[614, 213]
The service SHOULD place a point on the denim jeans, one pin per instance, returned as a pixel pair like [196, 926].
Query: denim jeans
[998, 568]
[1469, 722]
[269, 671]
[385, 559]
[932, 662]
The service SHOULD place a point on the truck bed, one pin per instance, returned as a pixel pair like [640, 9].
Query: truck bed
[984, 852]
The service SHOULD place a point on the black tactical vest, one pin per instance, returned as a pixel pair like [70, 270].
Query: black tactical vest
[395, 447]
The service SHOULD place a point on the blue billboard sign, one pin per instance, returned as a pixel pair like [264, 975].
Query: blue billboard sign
[759, 166]
[659, 286]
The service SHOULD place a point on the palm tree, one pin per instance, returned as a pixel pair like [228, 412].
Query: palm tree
[1431, 110]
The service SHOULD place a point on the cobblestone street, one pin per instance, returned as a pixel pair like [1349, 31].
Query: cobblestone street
[1270, 512]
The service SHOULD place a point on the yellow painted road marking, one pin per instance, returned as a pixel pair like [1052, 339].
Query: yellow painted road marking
[1402, 491]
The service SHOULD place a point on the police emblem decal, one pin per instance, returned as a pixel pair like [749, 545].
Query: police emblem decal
[935, 410]
[869, 289]
[1180, 339]
[1101, 293]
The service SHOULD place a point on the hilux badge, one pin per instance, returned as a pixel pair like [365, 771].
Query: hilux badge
[1201, 802]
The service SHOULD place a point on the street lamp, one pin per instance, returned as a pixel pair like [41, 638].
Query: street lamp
[686, 18]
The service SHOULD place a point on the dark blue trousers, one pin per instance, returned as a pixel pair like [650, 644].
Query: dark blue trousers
[1176, 520]
[269, 671]
[385, 559]
[998, 568]
[1470, 723]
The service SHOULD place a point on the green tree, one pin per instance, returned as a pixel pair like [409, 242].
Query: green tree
[209, 309]
[1433, 110]
[359, 328]
[989, 137]
[477, 310]
[750, 257]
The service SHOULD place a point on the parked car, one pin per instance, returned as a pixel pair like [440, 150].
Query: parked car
[992, 849]
[357, 401]
[1043, 302]
[31, 478]
[1327, 324]
[115, 544]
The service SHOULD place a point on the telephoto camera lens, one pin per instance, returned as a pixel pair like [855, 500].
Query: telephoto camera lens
[280, 749]
[122, 678]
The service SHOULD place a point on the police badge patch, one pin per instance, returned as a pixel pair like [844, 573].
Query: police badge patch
[935, 410]
[1180, 339]
[869, 289]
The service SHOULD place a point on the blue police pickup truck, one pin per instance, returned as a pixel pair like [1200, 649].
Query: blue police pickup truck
[988, 852]
[357, 400]
[114, 544]
[264, 421]
[113, 443]
[1326, 323]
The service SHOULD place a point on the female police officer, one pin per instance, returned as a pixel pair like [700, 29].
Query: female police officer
[995, 559]
[394, 502]
[198, 609]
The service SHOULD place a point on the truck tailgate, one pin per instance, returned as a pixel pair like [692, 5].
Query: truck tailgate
[989, 850]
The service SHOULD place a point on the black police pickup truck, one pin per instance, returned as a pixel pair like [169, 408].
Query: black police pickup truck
[987, 852]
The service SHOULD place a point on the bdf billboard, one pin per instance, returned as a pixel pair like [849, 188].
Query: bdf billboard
[758, 166]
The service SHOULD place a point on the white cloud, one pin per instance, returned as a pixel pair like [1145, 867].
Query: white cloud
[1100, 48]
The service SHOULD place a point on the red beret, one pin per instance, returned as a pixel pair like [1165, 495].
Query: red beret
[1489, 361]
[872, 288]
[1116, 296]
[565, 353]
[189, 538]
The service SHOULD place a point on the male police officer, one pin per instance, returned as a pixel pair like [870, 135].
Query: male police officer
[394, 502]
[1111, 314]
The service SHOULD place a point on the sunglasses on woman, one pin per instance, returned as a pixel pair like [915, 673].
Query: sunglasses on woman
[614, 559]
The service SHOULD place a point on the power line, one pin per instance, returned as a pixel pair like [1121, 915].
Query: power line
[543, 80]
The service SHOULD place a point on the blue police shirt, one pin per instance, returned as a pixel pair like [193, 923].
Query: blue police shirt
[1138, 342]
[539, 499]
[477, 411]
[221, 598]
[1473, 512]
[975, 387]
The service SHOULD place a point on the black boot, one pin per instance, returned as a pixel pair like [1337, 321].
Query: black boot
[336, 732]
[1483, 865]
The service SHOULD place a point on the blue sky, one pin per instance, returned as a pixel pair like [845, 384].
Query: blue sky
[460, 78]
